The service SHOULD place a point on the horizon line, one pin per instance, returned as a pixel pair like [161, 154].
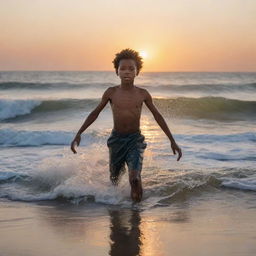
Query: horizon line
[173, 71]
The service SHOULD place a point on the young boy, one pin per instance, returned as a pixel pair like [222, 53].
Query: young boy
[126, 143]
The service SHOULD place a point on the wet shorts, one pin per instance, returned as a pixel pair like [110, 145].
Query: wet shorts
[125, 148]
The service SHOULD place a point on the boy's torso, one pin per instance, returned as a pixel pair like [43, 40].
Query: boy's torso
[126, 108]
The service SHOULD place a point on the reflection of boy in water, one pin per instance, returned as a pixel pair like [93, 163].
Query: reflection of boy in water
[125, 236]
[126, 143]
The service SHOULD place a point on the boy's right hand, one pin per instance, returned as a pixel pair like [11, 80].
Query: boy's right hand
[176, 148]
[76, 140]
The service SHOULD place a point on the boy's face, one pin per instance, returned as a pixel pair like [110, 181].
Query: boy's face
[127, 70]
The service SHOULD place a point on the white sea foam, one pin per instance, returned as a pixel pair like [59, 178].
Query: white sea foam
[85, 178]
[74, 179]
[13, 108]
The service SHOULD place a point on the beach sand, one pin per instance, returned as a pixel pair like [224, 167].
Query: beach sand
[190, 227]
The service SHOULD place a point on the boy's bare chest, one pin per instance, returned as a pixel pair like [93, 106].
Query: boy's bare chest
[126, 100]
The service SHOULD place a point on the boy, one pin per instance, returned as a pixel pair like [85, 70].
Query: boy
[126, 143]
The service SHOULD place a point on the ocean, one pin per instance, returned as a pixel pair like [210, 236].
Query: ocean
[211, 116]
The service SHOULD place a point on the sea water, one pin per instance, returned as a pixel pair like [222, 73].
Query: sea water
[211, 116]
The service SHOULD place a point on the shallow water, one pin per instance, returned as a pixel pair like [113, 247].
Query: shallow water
[192, 227]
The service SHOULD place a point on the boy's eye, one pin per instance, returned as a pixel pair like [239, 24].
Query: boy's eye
[131, 69]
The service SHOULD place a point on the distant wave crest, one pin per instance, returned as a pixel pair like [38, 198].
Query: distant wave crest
[47, 86]
[210, 88]
[160, 87]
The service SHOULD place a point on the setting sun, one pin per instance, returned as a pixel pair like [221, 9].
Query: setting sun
[143, 54]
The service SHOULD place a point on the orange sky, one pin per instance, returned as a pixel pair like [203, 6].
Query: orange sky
[178, 35]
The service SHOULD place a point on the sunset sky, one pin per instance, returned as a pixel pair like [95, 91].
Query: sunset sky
[176, 35]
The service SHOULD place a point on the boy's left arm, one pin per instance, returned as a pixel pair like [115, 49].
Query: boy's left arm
[160, 120]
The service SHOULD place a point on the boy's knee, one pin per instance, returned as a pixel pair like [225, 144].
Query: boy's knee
[134, 176]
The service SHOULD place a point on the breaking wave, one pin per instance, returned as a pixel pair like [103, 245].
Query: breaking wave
[67, 181]
[217, 108]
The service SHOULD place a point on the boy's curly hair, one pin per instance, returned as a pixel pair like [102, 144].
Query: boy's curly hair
[128, 54]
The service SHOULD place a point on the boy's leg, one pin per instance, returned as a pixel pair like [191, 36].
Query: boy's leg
[116, 158]
[134, 161]
[136, 185]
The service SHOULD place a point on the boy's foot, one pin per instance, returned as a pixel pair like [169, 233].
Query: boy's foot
[136, 189]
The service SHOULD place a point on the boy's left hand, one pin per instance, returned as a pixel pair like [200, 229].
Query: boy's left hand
[176, 148]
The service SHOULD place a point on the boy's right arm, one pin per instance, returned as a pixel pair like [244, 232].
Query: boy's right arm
[91, 118]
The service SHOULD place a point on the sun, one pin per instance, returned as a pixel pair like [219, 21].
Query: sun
[143, 54]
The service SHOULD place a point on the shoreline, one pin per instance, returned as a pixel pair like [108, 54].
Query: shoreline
[213, 224]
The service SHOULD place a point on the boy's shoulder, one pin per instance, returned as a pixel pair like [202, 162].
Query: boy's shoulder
[110, 89]
[143, 91]
[140, 89]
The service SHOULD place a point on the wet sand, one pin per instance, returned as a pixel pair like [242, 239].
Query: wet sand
[205, 226]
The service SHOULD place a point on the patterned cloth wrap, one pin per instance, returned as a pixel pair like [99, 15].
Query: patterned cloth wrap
[125, 148]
